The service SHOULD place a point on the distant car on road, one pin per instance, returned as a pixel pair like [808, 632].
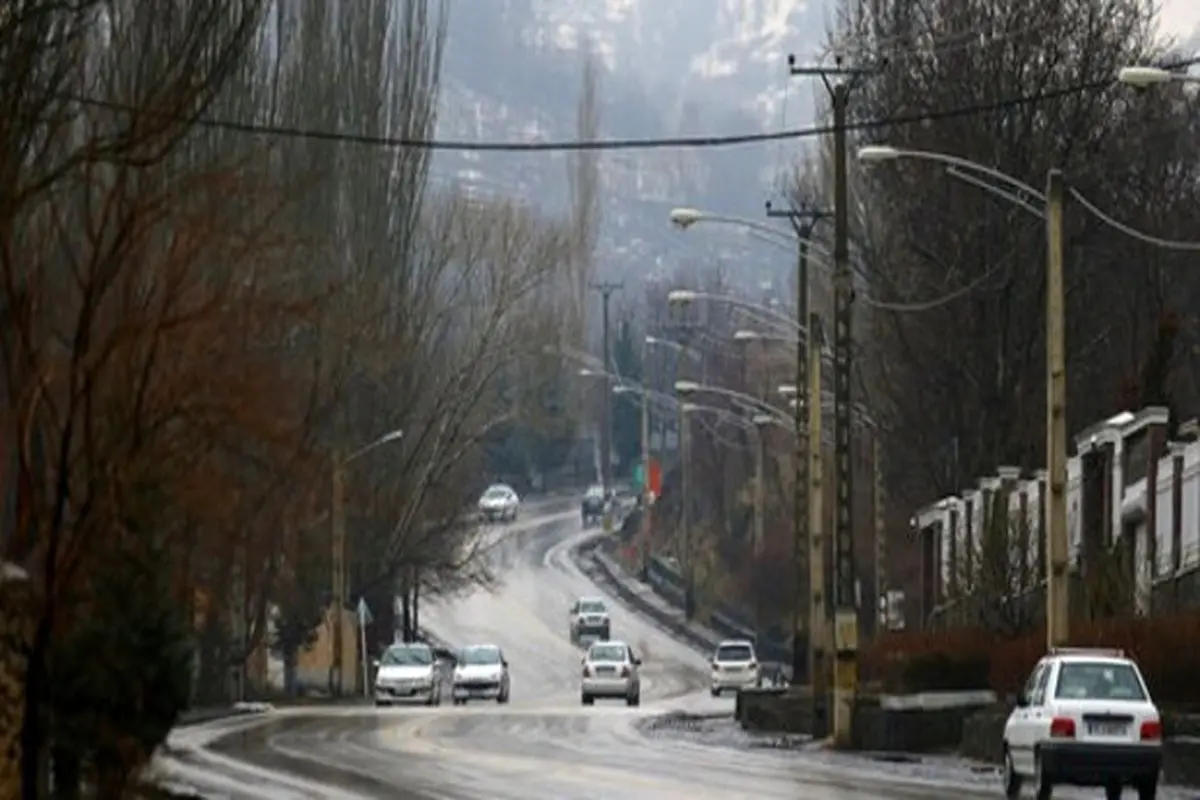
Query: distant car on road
[1084, 718]
[734, 666]
[481, 673]
[408, 673]
[594, 506]
[610, 669]
[589, 619]
[499, 503]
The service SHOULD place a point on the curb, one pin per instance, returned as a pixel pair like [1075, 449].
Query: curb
[599, 566]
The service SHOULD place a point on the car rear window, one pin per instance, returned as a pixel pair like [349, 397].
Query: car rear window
[607, 652]
[1098, 680]
[734, 652]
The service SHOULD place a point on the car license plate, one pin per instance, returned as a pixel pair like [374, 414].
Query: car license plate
[1108, 729]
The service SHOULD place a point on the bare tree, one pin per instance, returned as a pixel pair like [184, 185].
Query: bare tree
[954, 276]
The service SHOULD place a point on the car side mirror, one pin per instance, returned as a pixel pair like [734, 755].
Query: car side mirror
[504, 664]
[637, 662]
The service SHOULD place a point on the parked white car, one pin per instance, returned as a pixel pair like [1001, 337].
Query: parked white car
[408, 673]
[734, 666]
[499, 503]
[1084, 718]
[481, 673]
[610, 669]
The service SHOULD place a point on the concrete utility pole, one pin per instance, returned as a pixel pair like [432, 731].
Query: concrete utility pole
[841, 81]
[337, 603]
[803, 221]
[818, 623]
[1057, 597]
[689, 555]
[606, 291]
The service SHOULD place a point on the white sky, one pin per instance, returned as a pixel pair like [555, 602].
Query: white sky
[1179, 18]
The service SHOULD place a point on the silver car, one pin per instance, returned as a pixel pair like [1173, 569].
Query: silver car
[499, 504]
[589, 619]
[481, 673]
[408, 673]
[610, 669]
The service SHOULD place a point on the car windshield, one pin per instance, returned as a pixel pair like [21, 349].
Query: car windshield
[495, 493]
[480, 655]
[407, 656]
[607, 652]
[734, 652]
[591, 607]
[596, 492]
[1098, 680]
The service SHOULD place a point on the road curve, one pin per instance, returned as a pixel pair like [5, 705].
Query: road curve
[544, 744]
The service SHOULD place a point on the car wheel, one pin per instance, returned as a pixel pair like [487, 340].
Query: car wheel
[1112, 791]
[1147, 789]
[1044, 788]
[716, 692]
[381, 704]
[634, 699]
[587, 700]
[1012, 781]
[502, 697]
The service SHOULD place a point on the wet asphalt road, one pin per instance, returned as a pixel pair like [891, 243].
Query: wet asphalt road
[544, 744]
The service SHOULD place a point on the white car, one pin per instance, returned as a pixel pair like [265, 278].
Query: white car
[481, 673]
[408, 673]
[1084, 718]
[610, 669]
[499, 503]
[734, 666]
[589, 619]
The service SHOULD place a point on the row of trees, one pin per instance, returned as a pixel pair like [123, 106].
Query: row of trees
[951, 310]
[206, 297]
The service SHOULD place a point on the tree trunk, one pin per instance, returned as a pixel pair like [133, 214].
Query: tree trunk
[67, 773]
[406, 614]
[290, 659]
[416, 609]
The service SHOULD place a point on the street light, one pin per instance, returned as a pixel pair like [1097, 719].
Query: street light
[1145, 77]
[767, 314]
[337, 515]
[1057, 545]
[787, 390]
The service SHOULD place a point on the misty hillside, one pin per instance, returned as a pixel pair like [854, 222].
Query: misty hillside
[670, 68]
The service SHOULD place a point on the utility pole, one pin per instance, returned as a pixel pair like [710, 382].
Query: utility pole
[881, 583]
[803, 221]
[606, 291]
[337, 517]
[689, 566]
[1057, 598]
[818, 623]
[647, 492]
[841, 81]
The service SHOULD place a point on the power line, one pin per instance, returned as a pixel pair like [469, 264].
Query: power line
[677, 142]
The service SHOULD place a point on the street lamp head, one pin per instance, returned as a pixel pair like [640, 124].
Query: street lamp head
[787, 390]
[872, 154]
[747, 336]
[587, 373]
[1143, 77]
[623, 389]
[686, 387]
[762, 420]
[680, 296]
[391, 436]
[684, 218]
[688, 408]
